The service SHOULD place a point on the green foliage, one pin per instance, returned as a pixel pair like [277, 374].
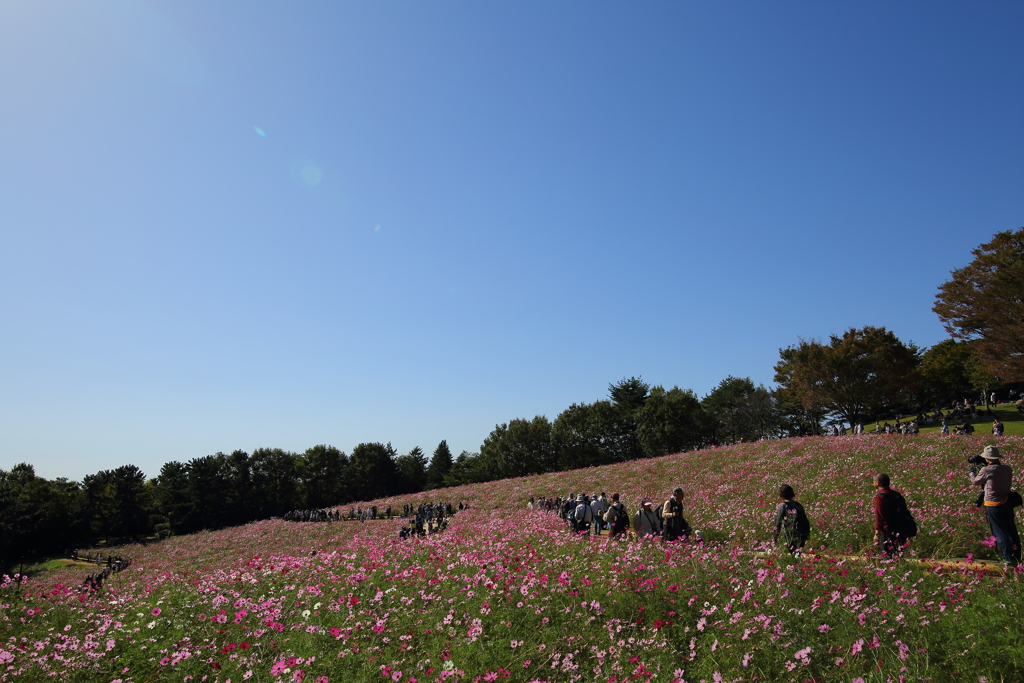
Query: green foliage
[374, 473]
[984, 302]
[118, 503]
[945, 373]
[412, 470]
[467, 469]
[275, 481]
[37, 517]
[518, 448]
[742, 411]
[589, 434]
[857, 376]
[628, 397]
[325, 476]
[672, 421]
[440, 465]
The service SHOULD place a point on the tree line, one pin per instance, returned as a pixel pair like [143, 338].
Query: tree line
[858, 376]
[40, 517]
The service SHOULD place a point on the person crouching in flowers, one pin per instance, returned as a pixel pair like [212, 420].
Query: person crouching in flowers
[791, 521]
[894, 526]
[646, 523]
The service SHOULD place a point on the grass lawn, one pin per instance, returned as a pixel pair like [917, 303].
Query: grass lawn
[1013, 422]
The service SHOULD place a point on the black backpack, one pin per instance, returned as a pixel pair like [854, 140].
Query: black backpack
[795, 524]
[621, 522]
[906, 525]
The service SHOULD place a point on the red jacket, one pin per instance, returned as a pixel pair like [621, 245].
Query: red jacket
[886, 502]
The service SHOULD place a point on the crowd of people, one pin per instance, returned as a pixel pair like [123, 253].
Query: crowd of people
[428, 511]
[957, 421]
[112, 564]
[428, 518]
[894, 525]
[585, 513]
[312, 516]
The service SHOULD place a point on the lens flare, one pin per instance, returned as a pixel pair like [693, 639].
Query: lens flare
[259, 131]
[377, 229]
[311, 175]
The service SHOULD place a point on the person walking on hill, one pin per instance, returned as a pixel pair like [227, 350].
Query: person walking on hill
[646, 523]
[617, 517]
[583, 515]
[600, 506]
[791, 521]
[892, 517]
[997, 479]
[676, 525]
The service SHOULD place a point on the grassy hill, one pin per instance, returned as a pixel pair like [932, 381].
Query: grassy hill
[507, 594]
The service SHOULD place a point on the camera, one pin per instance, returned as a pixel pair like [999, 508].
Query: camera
[980, 500]
[976, 460]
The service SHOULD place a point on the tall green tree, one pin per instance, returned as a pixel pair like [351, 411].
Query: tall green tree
[725, 404]
[947, 373]
[324, 474]
[518, 448]
[374, 474]
[795, 419]
[984, 302]
[672, 421]
[628, 397]
[857, 376]
[171, 497]
[37, 516]
[743, 411]
[208, 493]
[412, 470]
[118, 503]
[467, 468]
[440, 465]
[275, 481]
[592, 434]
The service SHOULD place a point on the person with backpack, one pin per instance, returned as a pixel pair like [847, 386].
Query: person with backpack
[676, 525]
[583, 515]
[997, 480]
[600, 506]
[791, 521]
[617, 517]
[894, 525]
[646, 523]
[567, 509]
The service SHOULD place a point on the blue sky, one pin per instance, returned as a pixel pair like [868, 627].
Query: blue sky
[462, 213]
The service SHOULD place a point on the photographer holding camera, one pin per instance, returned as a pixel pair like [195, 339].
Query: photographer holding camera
[996, 478]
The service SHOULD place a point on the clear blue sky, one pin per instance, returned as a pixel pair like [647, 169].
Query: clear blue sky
[461, 213]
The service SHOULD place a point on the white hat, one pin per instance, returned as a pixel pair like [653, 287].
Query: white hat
[991, 453]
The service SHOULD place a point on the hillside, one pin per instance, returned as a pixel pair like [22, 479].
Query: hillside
[509, 594]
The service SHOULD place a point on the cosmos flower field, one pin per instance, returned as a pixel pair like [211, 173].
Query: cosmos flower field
[510, 595]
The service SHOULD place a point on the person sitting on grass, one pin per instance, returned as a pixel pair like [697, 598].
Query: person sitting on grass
[791, 521]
